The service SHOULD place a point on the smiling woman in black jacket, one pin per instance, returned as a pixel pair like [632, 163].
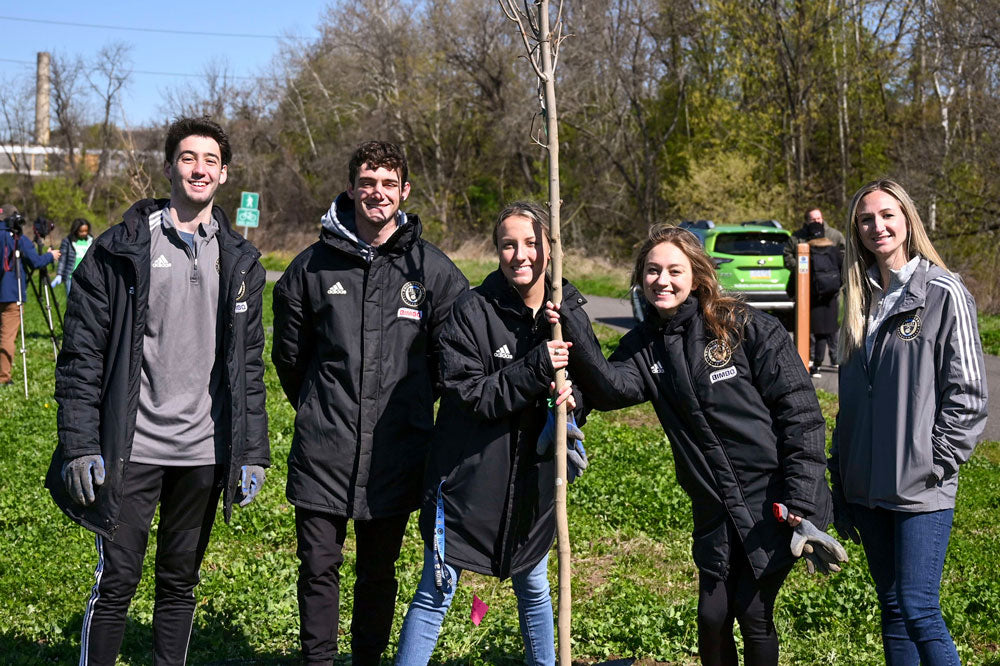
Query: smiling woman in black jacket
[488, 504]
[743, 422]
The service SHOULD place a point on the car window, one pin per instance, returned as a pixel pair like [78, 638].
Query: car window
[750, 243]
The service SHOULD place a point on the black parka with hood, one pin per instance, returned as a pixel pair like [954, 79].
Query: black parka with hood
[745, 426]
[98, 371]
[355, 347]
[498, 491]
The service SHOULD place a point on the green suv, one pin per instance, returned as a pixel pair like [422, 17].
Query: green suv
[748, 261]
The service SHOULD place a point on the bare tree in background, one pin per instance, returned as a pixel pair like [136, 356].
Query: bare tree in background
[68, 106]
[110, 73]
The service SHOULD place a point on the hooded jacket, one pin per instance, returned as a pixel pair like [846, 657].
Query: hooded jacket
[98, 371]
[744, 424]
[498, 493]
[355, 347]
[911, 414]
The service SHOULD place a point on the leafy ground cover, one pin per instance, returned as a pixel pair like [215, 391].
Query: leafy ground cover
[989, 332]
[634, 585]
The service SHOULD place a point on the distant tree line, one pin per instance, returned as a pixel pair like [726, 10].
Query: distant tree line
[677, 109]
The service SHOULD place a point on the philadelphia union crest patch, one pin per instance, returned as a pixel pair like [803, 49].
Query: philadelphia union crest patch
[718, 353]
[910, 327]
[413, 294]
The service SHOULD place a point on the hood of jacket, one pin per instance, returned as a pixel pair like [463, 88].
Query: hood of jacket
[339, 226]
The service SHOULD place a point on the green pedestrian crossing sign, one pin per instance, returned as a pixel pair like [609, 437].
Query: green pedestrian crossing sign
[249, 200]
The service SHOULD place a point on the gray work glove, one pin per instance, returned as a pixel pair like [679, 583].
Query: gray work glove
[822, 551]
[56, 281]
[81, 475]
[576, 455]
[251, 481]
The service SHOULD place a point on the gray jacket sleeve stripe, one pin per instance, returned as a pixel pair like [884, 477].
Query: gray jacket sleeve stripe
[966, 344]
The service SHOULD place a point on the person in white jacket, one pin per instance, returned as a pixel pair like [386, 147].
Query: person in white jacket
[912, 405]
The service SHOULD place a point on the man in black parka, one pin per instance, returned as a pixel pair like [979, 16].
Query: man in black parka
[356, 321]
[160, 385]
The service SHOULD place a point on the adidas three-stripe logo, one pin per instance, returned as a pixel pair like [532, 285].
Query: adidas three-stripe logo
[161, 262]
[337, 288]
[656, 368]
[503, 352]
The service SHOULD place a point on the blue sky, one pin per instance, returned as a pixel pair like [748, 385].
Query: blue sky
[160, 47]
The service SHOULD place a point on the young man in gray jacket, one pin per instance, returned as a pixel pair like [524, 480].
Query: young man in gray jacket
[161, 393]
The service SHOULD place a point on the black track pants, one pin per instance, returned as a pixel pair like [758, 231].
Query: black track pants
[188, 497]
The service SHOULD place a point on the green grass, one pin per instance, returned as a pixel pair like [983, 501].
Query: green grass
[634, 585]
[989, 333]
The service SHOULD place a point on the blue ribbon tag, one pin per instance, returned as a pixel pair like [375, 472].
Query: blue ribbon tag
[442, 577]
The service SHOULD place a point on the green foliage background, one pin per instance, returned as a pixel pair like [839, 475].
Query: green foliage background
[634, 583]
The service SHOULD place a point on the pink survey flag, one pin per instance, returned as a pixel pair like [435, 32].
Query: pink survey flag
[479, 609]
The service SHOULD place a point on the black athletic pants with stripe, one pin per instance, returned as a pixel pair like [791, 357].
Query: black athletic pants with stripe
[188, 498]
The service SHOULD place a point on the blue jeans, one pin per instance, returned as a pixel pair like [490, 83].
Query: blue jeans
[905, 554]
[427, 610]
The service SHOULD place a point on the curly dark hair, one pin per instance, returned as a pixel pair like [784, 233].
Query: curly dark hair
[204, 126]
[378, 154]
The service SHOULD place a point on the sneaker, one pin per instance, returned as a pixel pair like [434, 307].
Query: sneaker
[814, 371]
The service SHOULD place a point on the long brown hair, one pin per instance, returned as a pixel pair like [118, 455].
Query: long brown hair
[857, 259]
[724, 316]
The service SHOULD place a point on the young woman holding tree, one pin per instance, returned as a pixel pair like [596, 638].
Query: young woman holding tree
[744, 425]
[489, 495]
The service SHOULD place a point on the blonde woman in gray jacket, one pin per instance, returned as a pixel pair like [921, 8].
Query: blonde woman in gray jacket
[912, 406]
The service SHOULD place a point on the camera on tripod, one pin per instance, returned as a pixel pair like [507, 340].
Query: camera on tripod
[15, 222]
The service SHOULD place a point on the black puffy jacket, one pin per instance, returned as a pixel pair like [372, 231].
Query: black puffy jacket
[98, 371]
[498, 493]
[355, 350]
[745, 427]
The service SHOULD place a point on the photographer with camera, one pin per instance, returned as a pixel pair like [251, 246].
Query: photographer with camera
[14, 248]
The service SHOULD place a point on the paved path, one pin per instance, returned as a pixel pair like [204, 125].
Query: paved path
[617, 313]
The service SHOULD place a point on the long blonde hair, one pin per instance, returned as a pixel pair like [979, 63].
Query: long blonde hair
[857, 260]
[724, 315]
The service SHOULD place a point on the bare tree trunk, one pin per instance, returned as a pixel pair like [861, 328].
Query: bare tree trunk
[542, 57]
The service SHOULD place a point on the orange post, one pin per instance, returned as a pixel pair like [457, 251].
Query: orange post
[802, 278]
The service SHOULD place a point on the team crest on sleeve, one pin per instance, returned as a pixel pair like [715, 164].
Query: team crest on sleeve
[413, 294]
[910, 328]
[718, 353]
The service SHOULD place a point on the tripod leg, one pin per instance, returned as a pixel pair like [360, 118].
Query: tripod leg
[20, 314]
[45, 308]
[43, 275]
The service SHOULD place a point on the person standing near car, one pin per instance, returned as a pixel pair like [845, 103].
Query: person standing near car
[356, 322]
[814, 227]
[913, 403]
[160, 385]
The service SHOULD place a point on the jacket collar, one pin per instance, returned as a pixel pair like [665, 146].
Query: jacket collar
[340, 230]
[131, 237]
[914, 277]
